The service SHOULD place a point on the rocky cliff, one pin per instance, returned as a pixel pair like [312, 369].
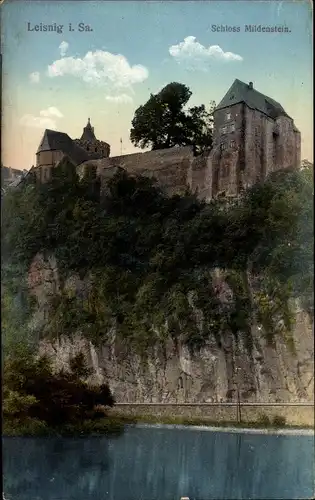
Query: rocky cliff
[170, 372]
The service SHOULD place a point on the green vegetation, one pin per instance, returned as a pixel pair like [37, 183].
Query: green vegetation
[263, 422]
[162, 122]
[37, 401]
[150, 259]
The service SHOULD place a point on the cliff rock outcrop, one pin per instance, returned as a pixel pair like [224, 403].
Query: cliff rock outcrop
[170, 372]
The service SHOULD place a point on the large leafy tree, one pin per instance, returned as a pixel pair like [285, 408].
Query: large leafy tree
[163, 122]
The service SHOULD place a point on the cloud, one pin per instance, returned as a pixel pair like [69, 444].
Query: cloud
[100, 68]
[34, 77]
[37, 122]
[194, 54]
[119, 99]
[63, 48]
[51, 112]
[46, 119]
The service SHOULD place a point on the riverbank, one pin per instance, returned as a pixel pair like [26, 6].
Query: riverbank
[262, 424]
[115, 425]
[294, 431]
[32, 428]
[282, 414]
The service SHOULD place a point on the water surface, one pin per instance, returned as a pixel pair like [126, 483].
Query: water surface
[160, 464]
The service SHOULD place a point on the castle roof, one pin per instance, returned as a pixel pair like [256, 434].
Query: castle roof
[88, 132]
[243, 92]
[7, 172]
[59, 141]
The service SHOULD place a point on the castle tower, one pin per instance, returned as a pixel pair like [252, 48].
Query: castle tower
[89, 142]
[253, 136]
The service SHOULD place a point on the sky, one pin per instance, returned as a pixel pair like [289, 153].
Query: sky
[127, 50]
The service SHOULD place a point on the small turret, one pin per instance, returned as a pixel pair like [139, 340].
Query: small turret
[88, 132]
[94, 147]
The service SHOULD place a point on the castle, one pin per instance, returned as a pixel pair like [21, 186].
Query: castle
[56, 146]
[252, 136]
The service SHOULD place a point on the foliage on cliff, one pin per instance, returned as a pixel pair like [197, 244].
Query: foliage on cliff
[37, 399]
[150, 259]
[162, 122]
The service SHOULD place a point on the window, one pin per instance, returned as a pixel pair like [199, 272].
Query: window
[232, 127]
[232, 97]
[225, 170]
[233, 144]
[224, 130]
[223, 146]
[228, 116]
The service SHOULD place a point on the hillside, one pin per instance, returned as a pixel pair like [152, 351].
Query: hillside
[169, 298]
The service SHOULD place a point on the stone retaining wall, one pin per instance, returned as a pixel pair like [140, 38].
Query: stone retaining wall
[293, 414]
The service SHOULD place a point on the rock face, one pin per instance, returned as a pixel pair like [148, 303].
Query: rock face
[171, 373]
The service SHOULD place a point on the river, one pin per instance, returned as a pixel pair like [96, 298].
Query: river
[160, 463]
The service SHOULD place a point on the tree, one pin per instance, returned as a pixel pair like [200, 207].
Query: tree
[163, 122]
[32, 390]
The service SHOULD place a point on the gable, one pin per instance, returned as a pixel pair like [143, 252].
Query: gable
[59, 141]
[242, 92]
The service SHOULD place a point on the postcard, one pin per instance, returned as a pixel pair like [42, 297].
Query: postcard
[157, 249]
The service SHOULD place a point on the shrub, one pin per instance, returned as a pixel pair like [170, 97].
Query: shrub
[264, 420]
[32, 390]
[279, 421]
[24, 427]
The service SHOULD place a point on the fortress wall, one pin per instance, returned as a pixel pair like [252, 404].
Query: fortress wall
[297, 136]
[270, 146]
[170, 167]
[197, 175]
[287, 143]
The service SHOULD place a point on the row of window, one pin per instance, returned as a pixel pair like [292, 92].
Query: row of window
[226, 129]
[225, 145]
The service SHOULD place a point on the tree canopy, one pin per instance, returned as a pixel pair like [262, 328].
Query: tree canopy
[164, 122]
[38, 399]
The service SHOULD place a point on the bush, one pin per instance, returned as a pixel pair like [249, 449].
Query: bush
[92, 427]
[279, 421]
[264, 420]
[24, 427]
[32, 390]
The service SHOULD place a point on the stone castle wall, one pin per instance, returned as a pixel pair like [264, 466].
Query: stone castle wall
[288, 143]
[173, 169]
[250, 153]
[100, 148]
